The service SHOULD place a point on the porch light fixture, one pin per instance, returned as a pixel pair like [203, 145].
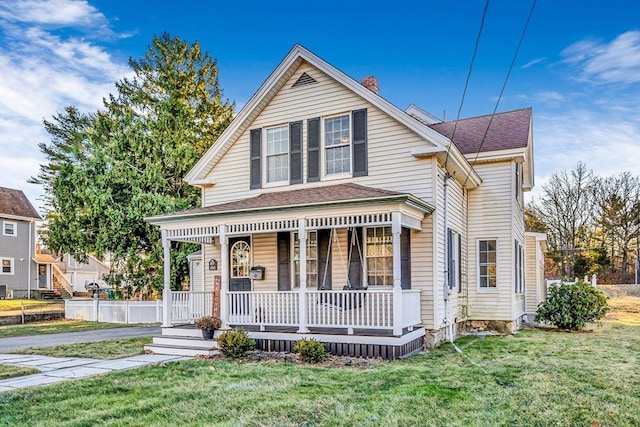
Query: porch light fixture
[213, 264]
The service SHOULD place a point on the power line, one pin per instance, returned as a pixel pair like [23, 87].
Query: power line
[466, 83]
[513, 61]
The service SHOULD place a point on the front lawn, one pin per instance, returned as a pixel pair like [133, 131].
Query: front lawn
[536, 377]
[110, 349]
[16, 304]
[55, 327]
[7, 371]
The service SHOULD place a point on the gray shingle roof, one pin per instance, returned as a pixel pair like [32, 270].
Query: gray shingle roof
[508, 130]
[15, 203]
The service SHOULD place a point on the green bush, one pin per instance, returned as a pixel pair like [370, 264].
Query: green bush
[572, 305]
[310, 351]
[235, 343]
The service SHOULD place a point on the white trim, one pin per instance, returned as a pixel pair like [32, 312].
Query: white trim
[479, 288]
[347, 339]
[20, 218]
[272, 85]
[12, 266]
[15, 228]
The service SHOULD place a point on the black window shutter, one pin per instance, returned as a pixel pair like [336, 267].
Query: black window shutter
[284, 255]
[256, 158]
[324, 259]
[359, 142]
[459, 263]
[353, 255]
[313, 149]
[405, 258]
[295, 153]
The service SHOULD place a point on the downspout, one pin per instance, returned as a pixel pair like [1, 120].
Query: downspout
[32, 224]
[448, 325]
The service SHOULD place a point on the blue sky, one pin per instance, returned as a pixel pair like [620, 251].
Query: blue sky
[578, 67]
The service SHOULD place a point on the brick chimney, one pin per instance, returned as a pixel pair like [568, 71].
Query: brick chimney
[371, 83]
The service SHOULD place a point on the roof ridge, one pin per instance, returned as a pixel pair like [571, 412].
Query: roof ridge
[482, 116]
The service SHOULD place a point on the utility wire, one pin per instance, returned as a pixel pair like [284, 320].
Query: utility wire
[513, 61]
[466, 83]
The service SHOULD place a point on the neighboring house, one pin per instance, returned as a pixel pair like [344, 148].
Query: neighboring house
[408, 238]
[80, 274]
[20, 271]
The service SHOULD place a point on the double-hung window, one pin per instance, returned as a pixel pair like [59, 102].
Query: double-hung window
[9, 228]
[379, 250]
[337, 145]
[519, 267]
[6, 266]
[277, 158]
[312, 259]
[487, 264]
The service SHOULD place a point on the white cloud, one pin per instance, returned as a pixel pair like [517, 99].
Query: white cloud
[43, 73]
[534, 62]
[614, 62]
[52, 12]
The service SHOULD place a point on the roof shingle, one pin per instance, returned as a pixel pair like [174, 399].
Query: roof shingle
[508, 130]
[15, 203]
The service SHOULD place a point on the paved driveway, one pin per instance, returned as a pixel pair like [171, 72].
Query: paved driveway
[52, 340]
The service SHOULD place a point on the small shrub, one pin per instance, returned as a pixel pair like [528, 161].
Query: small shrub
[572, 305]
[208, 323]
[310, 351]
[235, 343]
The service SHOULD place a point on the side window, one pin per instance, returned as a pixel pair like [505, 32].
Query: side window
[9, 228]
[487, 264]
[6, 265]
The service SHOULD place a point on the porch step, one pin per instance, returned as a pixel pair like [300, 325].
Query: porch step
[179, 351]
[182, 331]
[187, 342]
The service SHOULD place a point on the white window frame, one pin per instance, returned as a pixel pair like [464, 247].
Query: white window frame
[12, 266]
[366, 256]
[519, 267]
[336, 175]
[4, 228]
[265, 158]
[311, 243]
[478, 265]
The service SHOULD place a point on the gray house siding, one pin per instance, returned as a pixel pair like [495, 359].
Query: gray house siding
[19, 249]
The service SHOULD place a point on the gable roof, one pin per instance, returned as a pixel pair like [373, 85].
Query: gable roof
[13, 203]
[506, 131]
[273, 84]
[302, 198]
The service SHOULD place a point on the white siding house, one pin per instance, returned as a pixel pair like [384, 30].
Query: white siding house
[408, 236]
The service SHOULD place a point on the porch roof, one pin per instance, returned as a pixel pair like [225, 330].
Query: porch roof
[332, 195]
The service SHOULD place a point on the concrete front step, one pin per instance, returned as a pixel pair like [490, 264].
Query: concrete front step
[188, 342]
[183, 331]
[179, 351]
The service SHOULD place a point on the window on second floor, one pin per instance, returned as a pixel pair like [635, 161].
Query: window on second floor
[277, 154]
[337, 143]
[9, 228]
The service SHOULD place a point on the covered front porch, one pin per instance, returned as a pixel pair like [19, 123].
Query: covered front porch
[350, 287]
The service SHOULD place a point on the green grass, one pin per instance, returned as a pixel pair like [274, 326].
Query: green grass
[536, 377]
[7, 371]
[54, 327]
[15, 304]
[110, 349]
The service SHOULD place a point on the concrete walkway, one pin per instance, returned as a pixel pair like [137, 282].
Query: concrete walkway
[53, 340]
[57, 369]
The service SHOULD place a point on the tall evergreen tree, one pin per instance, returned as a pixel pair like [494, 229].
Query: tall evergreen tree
[110, 170]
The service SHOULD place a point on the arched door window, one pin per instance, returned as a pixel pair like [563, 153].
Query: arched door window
[240, 259]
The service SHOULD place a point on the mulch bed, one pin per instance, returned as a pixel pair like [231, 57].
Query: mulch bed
[269, 357]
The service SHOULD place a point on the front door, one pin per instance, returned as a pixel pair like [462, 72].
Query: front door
[240, 263]
[42, 276]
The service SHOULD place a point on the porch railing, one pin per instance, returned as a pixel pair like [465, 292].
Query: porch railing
[187, 306]
[274, 308]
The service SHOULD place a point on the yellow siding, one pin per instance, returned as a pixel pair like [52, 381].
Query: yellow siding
[490, 217]
[389, 143]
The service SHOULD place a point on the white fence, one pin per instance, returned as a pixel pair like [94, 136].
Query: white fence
[109, 311]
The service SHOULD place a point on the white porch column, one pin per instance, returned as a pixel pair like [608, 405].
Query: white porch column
[302, 291]
[224, 267]
[166, 290]
[396, 229]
